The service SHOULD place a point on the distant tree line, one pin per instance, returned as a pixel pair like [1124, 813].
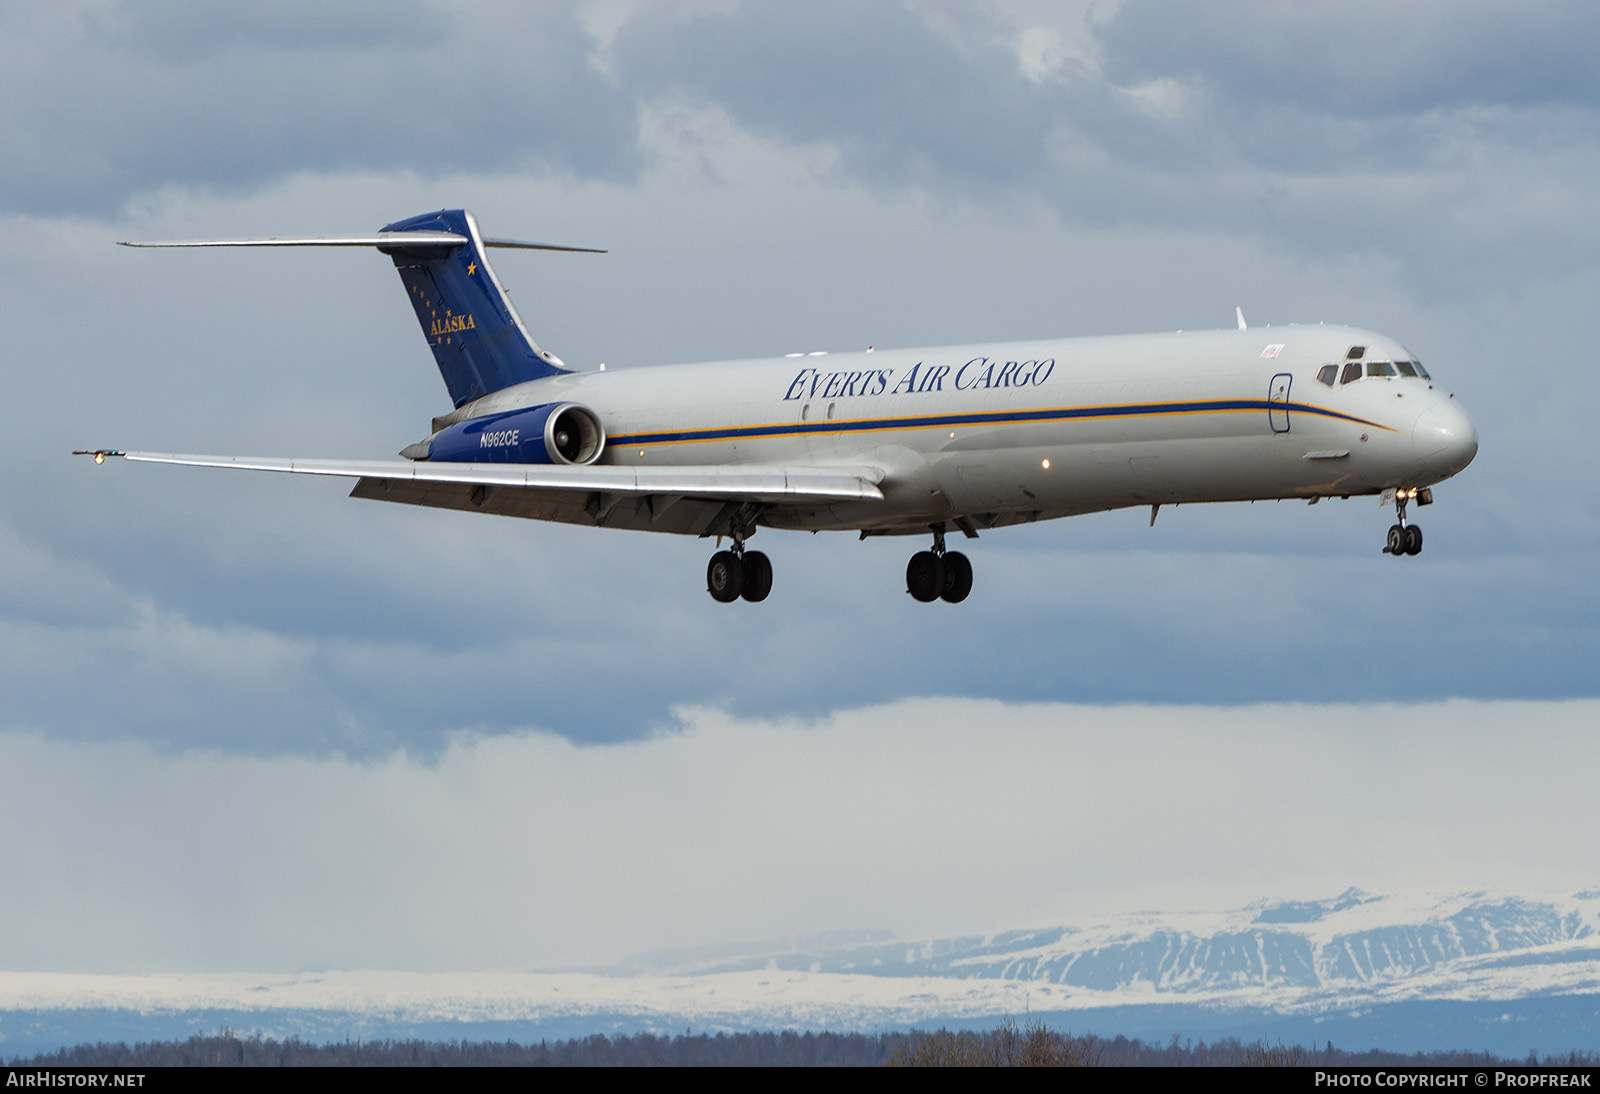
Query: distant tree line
[1008, 1045]
[1036, 1045]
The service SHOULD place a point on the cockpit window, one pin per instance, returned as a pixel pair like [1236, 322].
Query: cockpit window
[1356, 352]
[1355, 370]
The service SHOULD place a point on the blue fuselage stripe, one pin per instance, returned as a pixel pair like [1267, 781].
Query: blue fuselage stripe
[995, 417]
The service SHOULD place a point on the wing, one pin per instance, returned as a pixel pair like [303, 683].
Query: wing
[698, 500]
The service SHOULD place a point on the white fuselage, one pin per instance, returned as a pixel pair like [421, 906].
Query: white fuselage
[1008, 432]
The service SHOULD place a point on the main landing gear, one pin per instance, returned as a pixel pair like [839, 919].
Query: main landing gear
[939, 574]
[1403, 538]
[736, 573]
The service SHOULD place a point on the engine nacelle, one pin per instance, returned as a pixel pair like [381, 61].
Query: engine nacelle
[551, 433]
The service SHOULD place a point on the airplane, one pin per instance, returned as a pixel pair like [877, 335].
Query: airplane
[918, 442]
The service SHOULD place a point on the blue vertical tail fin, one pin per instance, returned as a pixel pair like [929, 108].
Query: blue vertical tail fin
[477, 337]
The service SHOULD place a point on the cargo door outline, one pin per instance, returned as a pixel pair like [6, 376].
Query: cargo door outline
[1278, 402]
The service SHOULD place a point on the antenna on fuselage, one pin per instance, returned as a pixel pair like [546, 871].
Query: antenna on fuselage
[1239, 311]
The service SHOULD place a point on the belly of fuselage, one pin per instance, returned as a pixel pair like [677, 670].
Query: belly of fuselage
[1007, 474]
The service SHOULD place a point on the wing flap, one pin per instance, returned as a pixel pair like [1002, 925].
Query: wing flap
[698, 516]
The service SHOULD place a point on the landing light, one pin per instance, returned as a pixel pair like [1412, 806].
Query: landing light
[99, 457]
[1045, 464]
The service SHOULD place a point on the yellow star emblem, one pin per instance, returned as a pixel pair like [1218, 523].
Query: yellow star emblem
[472, 268]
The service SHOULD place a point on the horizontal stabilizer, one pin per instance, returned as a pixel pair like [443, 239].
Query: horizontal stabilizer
[442, 240]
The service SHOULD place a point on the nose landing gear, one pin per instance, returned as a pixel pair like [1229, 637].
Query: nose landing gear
[1403, 538]
[939, 574]
[739, 573]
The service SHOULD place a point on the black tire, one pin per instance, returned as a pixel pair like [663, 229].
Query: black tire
[1413, 539]
[925, 576]
[757, 577]
[957, 577]
[1396, 543]
[725, 577]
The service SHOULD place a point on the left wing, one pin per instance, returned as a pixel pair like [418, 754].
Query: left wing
[702, 500]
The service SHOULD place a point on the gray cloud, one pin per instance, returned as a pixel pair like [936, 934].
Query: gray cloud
[185, 31]
[103, 105]
[1365, 59]
[1261, 119]
[1313, 127]
[898, 99]
[346, 644]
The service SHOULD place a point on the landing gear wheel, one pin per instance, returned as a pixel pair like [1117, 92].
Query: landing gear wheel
[725, 577]
[757, 576]
[925, 576]
[1406, 539]
[957, 577]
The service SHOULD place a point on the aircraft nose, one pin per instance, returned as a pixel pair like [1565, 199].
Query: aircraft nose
[1444, 437]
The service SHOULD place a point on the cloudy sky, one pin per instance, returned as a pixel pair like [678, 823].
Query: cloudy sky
[768, 178]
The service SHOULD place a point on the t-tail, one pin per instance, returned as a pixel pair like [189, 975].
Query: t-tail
[478, 339]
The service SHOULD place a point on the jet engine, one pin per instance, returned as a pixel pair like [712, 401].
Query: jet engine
[550, 433]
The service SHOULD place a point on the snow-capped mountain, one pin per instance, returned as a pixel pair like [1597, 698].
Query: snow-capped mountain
[1493, 972]
[1350, 942]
